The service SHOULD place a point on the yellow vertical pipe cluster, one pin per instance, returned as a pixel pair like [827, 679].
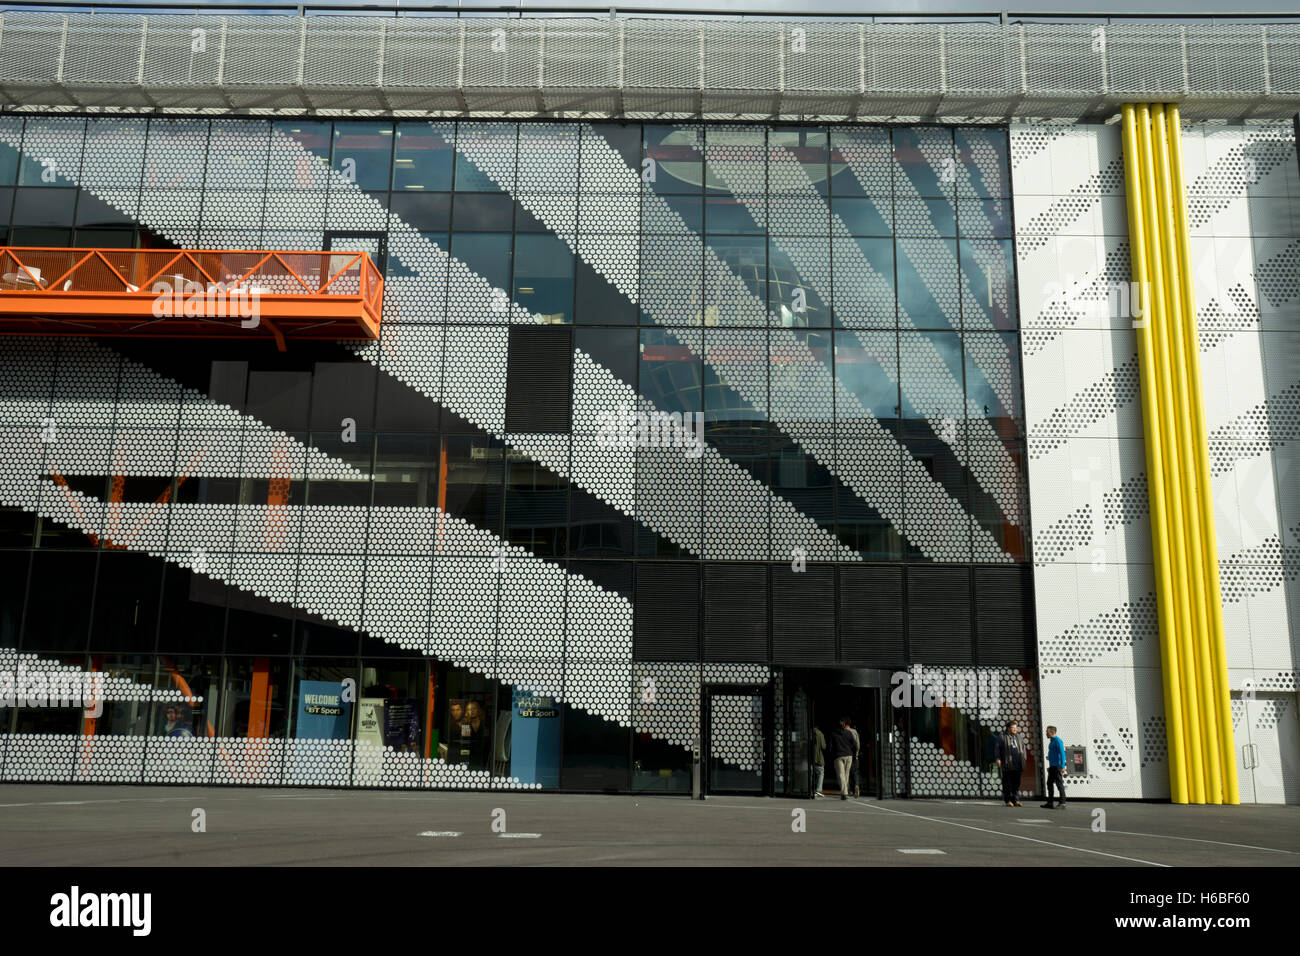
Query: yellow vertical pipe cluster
[1198, 717]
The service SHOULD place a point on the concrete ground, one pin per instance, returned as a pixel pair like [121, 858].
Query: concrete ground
[47, 825]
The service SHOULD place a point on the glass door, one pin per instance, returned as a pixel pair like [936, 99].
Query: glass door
[737, 739]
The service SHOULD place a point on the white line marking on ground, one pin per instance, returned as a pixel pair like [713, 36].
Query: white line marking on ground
[441, 833]
[1014, 836]
[1164, 836]
[1032, 820]
[938, 852]
[78, 803]
[521, 836]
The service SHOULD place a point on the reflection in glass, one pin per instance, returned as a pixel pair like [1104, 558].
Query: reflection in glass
[794, 299]
[994, 357]
[673, 160]
[473, 488]
[864, 217]
[863, 273]
[187, 694]
[363, 152]
[487, 254]
[255, 694]
[866, 365]
[928, 290]
[671, 375]
[406, 471]
[422, 159]
[804, 147]
[544, 277]
[537, 507]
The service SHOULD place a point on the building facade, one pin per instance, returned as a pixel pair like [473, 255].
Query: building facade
[678, 429]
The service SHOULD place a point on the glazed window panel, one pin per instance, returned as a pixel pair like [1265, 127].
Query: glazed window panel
[863, 284]
[495, 147]
[673, 160]
[988, 281]
[798, 160]
[798, 282]
[363, 153]
[544, 277]
[52, 150]
[423, 157]
[866, 367]
[255, 704]
[929, 293]
[861, 162]
[993, 381]
[735, 281]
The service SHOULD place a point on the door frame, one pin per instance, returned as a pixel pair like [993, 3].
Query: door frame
[764, 692]
[381, 238]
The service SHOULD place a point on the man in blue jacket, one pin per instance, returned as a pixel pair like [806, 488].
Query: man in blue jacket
[1055, 768]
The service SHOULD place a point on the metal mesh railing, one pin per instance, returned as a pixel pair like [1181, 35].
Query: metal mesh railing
[643, 67]
[39, 273]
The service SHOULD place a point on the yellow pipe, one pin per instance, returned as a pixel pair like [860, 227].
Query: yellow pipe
[1154, 169]
[1147, 124]
[1196, 632]
[1174, 736]
[1219, 687]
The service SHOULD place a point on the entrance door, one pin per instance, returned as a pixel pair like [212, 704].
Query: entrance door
[1268, 747]
[819, 702]
[374, 243]
[737, 735]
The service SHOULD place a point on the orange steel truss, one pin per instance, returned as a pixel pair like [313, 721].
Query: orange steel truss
[191, 293]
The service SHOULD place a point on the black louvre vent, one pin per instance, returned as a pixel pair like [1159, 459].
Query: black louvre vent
[538, 379]
[667, 612]
[871, 616]
[803, 615]
[735, 619]
[1003, 617]
[939, 615]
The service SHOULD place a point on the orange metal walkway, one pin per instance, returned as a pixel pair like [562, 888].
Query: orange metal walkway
[208, 293]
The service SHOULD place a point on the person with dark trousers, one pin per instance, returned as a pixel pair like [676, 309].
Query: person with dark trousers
[1010, 754]
[844, 748]
[1055, 768]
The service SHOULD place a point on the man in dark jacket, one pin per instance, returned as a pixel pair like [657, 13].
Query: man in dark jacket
[844, 748]
[818, 761]
[1010, 753]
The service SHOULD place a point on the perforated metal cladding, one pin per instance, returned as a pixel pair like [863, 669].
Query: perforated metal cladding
[1096, 606]
[465, 365]
[632, 66]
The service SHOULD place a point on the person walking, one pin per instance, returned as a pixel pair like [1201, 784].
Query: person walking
[856, 770]
[1010, 754]
[843, 750]
[818, 761]
[1055, 768]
